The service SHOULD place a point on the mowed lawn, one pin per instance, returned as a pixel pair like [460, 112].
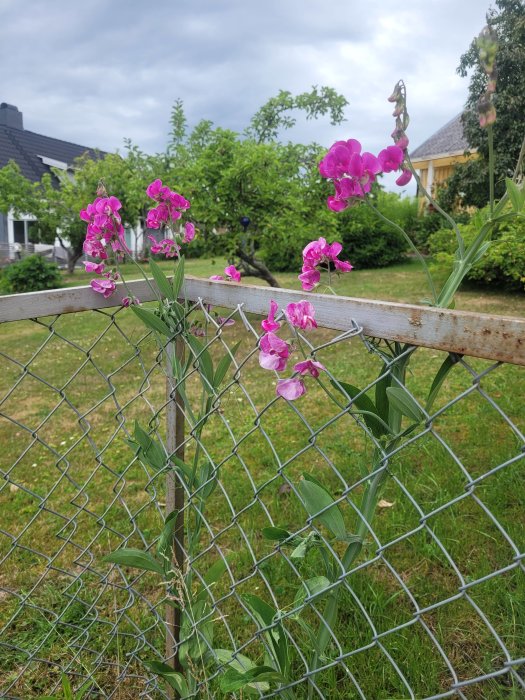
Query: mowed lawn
[72, 388]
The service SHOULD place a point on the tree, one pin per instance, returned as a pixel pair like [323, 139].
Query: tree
[469, 183]
[55, 203]
[276, 186]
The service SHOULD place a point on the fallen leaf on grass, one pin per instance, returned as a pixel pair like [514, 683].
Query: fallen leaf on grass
[385, 504]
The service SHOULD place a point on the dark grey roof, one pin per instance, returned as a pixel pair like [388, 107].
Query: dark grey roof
[24, 147]
[449, 139]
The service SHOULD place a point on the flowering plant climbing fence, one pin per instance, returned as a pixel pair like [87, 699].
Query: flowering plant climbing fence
[346, 534]
[98, 458]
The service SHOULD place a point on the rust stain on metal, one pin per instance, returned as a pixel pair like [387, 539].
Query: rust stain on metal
[415, 319]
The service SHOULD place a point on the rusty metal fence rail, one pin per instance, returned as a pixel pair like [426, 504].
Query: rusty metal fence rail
[430, 605]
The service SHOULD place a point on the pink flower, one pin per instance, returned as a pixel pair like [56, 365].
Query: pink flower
[128, 301]
[104, 227]
[106, 287]
[270, 324]
[352, 172]
[169, 208]
[97, 268]
[301, 315]
[274, 352]
[232, 273]
[404, 178]
[167, 247]
[290, 389]
[310, 367]
[189, 232]
[309, 279]
[320, 253]
[390, 158]
[225, 321]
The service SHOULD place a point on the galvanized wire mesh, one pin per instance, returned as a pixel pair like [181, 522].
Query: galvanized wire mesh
[431, 607]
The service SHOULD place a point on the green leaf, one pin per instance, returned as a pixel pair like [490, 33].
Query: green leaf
[183, 470]
[316, 499]
[151, 450]
[276, 533]
[207, 482]
[216, 570]
[265, 616]
[401, 401]
[364, 404]
[241, 664]
[224, 365]
[165, 542]
[440, 377]
[178, 278]
[66, 687]
[310, 587]
[263, 612]
[301, 550]
[161, 280]
[203, 362]
[174, 679]
[135, 558]
[381, 395]
[152, 321]
[234, 680]
[516, 195]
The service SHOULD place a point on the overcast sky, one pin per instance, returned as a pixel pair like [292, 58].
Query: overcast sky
[97, 71]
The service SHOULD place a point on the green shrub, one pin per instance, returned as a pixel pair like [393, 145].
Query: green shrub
[367, 240]
[503, 265]
[31, 274]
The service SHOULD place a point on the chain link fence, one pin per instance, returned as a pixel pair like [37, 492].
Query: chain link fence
[431, 603]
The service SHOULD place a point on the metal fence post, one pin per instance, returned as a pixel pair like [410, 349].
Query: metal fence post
[174, 495]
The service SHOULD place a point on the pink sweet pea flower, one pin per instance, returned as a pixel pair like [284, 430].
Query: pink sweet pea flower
[232, 273]
[391, 158]
[343, 266]
[217, 278]
[274, 352]
[290, 389]
[189, 232]
[270, 324]
[404, 178]
[224, 322]
[128, 301]
[97, 268]
[309, 279]
[301, 315]
[106, 287]
[310, 367]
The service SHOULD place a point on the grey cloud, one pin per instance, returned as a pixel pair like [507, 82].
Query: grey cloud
[96, 72]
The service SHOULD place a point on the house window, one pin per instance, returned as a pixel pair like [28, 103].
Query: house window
[25, 232]
[19, 230]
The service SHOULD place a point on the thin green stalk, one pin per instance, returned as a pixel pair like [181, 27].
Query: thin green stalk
[432, 201]
[412, 246]
[490, 135]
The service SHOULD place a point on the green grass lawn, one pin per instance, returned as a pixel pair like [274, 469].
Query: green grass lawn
[73, 385]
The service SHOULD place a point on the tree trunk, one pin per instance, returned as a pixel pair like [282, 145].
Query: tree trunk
[251, 267]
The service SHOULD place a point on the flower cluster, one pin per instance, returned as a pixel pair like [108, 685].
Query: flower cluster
[274, 352]
[353, 172]
[318, 254]
[104, 227]
[169, 208]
